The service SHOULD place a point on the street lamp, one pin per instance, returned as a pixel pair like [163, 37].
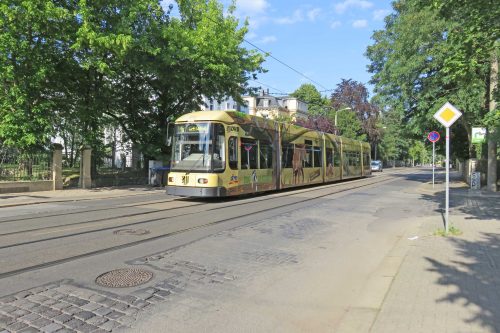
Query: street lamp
[344, 109]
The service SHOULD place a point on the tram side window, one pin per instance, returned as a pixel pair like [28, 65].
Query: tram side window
[266, 155]
[329, 156]
[233, 152]
[308, 160]
[336, 158]
[219, 157]
[287, 159]
[248, 154]
[366, 159]
[317, 157]
[354, 158]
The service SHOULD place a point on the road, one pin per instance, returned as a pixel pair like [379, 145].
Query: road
[311, 260]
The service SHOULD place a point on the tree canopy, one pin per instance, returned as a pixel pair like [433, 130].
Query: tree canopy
[72, 67]
[434, 51]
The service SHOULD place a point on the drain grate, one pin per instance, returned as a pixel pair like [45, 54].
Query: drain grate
[124, 277]
[134, 232]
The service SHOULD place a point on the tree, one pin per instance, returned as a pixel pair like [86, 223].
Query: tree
[307, 92]
[183, 58]
[417, 152]
[317, 122]
[31, 57]
[350, 93]
[124, 63]
[350, 126]
[431, 52]
[478, 34]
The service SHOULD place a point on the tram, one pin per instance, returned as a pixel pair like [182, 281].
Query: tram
[229, 153]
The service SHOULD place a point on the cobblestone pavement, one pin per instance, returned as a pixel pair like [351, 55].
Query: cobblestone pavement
[186, 272]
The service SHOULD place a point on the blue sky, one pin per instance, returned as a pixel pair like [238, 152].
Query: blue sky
[323, 39]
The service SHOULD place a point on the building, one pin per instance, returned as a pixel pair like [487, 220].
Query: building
[228, 104]
[268, 106]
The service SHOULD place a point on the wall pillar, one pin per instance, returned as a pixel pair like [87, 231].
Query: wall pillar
[85, 168]
[57, 181]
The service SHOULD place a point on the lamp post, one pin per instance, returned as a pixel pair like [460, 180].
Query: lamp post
[347, 108]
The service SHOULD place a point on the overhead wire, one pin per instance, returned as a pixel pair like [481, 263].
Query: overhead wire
[273, 57]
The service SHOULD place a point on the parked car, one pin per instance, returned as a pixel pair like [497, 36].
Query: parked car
[376, 166]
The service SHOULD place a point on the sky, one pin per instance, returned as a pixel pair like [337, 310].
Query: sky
[323, 39]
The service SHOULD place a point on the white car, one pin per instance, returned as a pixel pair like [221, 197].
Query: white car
[376, 166]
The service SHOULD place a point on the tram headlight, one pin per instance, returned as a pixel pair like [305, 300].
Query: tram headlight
[202, 181]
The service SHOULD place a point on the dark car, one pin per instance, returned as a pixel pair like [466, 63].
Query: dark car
[376, 166]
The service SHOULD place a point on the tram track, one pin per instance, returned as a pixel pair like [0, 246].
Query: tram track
[27, 218]
[130, 215]
[256, 205]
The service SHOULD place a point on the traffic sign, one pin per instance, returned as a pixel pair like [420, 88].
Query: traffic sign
[433, 136]
[447, 114]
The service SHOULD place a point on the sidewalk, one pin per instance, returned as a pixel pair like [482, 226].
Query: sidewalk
[449, 284]
[30, 198]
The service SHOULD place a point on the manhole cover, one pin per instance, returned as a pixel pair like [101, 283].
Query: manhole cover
[124, 277]
[134, 232]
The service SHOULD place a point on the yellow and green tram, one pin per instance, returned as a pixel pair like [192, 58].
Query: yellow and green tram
[228, 153]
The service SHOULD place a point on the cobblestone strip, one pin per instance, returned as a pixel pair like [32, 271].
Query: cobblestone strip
[63, 307]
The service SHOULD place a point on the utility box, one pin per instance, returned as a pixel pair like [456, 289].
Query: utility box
[475, 181]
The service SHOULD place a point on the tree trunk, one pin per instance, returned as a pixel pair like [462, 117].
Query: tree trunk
[491, 184]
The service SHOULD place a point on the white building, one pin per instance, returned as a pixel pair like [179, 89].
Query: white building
[268, 106]
[229, 104]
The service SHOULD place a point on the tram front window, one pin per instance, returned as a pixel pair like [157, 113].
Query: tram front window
[199, 147]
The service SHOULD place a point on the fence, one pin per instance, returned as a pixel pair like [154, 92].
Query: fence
[126, 168]
[16, 165]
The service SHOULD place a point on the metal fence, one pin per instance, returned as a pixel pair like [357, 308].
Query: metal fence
[117, 169]
[16, 165]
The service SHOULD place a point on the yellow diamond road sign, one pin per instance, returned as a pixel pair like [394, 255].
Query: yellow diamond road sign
[447, 114]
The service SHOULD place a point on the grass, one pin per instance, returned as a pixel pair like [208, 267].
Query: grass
[452, 231]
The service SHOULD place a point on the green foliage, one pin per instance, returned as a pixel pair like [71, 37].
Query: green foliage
[431, 52]
[350, 126]
[29, 58]
[114, 63]
[418, 152]
[353, 94]
[317, 105]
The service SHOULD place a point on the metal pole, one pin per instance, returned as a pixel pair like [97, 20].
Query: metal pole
[446, 220]
[433, 161]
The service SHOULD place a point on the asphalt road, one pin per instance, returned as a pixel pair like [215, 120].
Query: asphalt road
[294, 261]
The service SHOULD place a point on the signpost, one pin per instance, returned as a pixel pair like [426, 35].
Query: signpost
[433, 137]
[447, 115]
[478, 135]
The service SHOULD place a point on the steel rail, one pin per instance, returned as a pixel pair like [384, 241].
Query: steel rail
[170, 234]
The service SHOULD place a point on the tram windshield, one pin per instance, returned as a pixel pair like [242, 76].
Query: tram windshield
[198, 147]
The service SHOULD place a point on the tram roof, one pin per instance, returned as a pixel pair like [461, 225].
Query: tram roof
[235, 117]
[228, 117]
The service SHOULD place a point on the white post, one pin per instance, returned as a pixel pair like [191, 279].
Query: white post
[447, 178]
[433, 161]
